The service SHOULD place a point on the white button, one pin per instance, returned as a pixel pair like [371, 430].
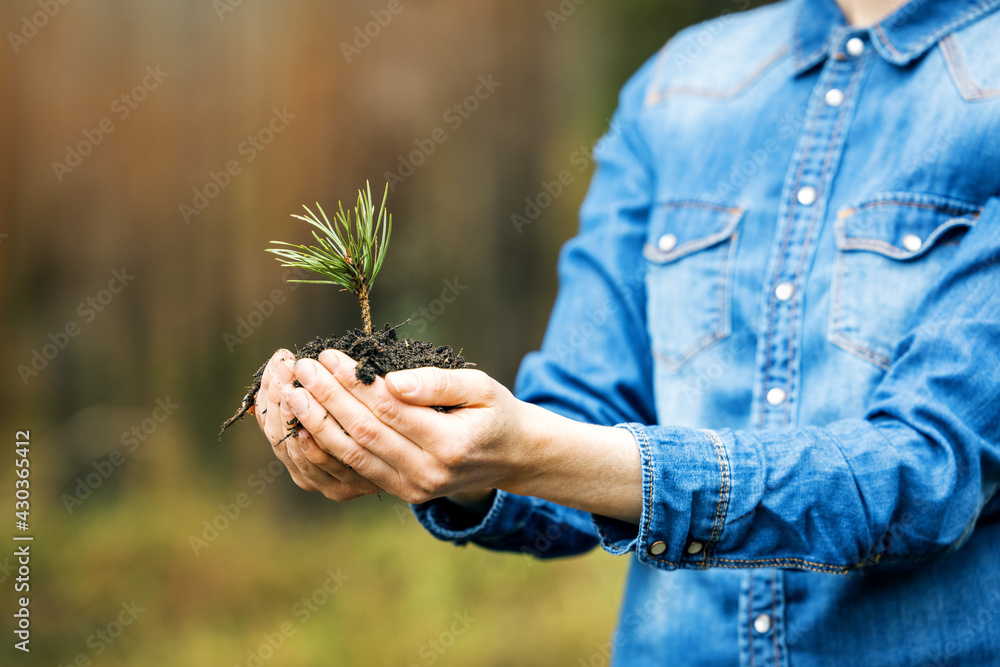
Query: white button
[855, 47]
[657, 548]
[784, 291]
[912, 242]
[694, 548]
[762, 624]
[806, 195]
[667, 242]
[776, 396]
[834, 97]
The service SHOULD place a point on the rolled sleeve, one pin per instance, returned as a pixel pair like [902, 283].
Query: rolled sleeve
[687, 481]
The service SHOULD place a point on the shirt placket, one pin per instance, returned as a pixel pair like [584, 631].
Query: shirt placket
[802, 212]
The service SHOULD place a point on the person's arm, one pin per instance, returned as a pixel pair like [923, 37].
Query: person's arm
[905, 482]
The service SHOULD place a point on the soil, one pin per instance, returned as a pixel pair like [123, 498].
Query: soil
[377, 353]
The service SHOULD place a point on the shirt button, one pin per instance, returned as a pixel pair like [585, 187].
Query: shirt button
[806, 195]
[657, 548]
[667, 242]
[776, 396]
[762, 624]
[855, 47]
[695, 547]
[834, 97]
[784, 291]
[912, 242]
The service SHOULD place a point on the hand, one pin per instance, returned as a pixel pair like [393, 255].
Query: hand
[400, 443]
[388, 433]
[311, 468]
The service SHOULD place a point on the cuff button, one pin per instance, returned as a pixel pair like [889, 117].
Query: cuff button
[695, 547]
[657, 548]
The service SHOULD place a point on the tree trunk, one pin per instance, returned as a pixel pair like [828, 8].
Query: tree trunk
[366, 313]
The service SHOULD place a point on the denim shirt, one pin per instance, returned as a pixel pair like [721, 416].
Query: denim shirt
[786, 285]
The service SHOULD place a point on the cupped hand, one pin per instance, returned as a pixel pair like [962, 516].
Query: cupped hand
[311, 468]
[388, 433]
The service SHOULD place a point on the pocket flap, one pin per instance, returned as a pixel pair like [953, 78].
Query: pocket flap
[901, 225]
[678, 228]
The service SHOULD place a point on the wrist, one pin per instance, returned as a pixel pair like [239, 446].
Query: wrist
[592, 468]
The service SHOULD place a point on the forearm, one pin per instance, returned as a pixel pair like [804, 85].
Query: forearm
[592, 468]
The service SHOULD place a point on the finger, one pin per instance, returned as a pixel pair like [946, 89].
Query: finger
[415, 423]
[282, 452]
[314, 412]
[329, 476]
[442, 387]
[276, 424]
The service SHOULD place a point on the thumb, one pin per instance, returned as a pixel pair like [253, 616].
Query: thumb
[440, 387]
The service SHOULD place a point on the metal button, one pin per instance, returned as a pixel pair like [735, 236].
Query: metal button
[695, 547]
[776, 396]
[784, 291]
[762, 623]
[667, 242]
[834, 97]
[806, 195]
[912, 242]
[855, 46]
[657, 548]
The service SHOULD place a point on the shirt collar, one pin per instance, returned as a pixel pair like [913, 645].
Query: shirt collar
[899, 38]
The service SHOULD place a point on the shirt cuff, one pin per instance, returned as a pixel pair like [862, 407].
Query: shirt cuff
[451, 522]
[686, 487]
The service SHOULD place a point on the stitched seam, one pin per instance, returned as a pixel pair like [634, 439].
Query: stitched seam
[779, 562]
[780, 265]
[968, 88]
[948, 28]
[649, 494]
[807, 243]
[749, 621]
[656, 98]
[774, 617]
[845, 343]
[885, 41]
[724, 491]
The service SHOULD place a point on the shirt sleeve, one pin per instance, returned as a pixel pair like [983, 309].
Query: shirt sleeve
[906, 482]
[594, 364]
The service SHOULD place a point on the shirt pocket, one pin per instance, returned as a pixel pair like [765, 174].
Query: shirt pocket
[689, 254]
[890, 251]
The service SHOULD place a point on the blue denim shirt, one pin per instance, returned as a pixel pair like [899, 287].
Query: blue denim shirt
[786, 285]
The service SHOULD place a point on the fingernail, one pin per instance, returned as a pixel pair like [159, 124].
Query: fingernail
[305, 371]
[298, 401]
[403, 382]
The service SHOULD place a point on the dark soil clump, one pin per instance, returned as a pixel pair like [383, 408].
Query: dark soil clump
[377, 354]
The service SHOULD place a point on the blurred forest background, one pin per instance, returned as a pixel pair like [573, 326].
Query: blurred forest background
[130, 324]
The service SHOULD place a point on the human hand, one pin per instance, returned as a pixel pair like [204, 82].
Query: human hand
[310, 468]
[398, 442]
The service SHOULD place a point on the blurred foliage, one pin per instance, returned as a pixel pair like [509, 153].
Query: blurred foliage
[206, 305]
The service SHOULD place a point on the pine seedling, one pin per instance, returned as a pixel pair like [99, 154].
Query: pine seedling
[350, 252]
